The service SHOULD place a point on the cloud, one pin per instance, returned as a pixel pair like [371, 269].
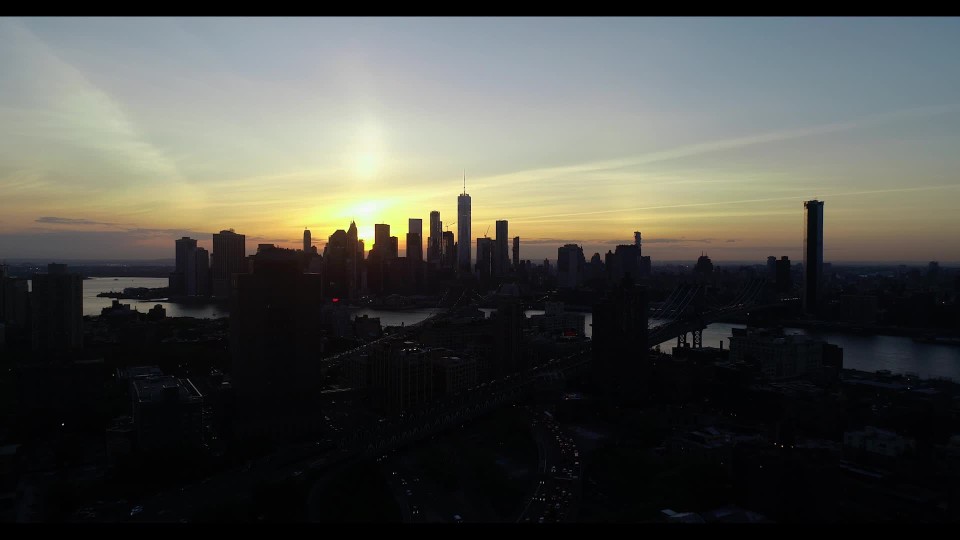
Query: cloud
[729, 241]
[70, 221]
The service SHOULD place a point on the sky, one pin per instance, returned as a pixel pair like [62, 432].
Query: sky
[120, 135]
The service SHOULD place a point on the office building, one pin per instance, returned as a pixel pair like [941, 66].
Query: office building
[415, 240]
[436, 234]
[448, 250]
[775, 355]
[56, 306]
[167, 414]
[570, 266]
[201, 272]
[812, 256]
[501, 257]
[307, 242]
[381, 240]
[485, 258]
[516, 252]
[463, 232]
[183, 278]
[784, 278]
[772, 268]
[274, 331]
[229, 260]
[620, 345]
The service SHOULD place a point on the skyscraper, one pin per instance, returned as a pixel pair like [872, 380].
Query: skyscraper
[570, 266]
[485, 258]
[447, 250]
[229, 259]
[381, 239]
[463, 231]
[516, 252]
[436, 233]
[56, 306]
[201, 272]
[501, 255]
[415, 243]
[183, 279]
[306, 241]
[812, 256]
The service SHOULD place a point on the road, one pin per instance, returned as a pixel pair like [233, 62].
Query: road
[557, 489]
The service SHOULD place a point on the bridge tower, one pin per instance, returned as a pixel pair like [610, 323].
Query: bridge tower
[698, 338]
[682, 340]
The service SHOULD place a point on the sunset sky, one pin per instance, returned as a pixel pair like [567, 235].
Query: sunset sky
[706, 134]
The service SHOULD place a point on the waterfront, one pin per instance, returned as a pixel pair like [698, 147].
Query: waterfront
[867, 353]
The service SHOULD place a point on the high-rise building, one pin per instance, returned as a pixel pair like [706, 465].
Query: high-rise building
[516, 252]
[637, 241]
[229, 260]
[771, 267]
[436, 234]
[277, 375]
[381, 239]
[812, 256]
[414, 248]
[415, 243]
[448, 250]
[501, 255]
[619, 343]
[784, 279]
[394, 247]
[485, 258]
[57, 309]
[570, 266]
[201, 272]
[182, 280]
[306, 241]
[463, 232]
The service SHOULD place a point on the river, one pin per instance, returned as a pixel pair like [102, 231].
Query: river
[867, 353]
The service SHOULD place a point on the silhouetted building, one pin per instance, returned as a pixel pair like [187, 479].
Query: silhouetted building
[355, 260]
[56, 306]
[183, 278]
[620, 343]
[555, 321]
[415, 227]
[775, 355]
[626, 263]
[167, 414]
[436, 234]
[784, 278]
[275, 346]
[772, 268]
[381, 240]
[14, 302]
[812, 256]
[229, 260]
[453, 374]
[463, 232]
[485, 258]
[704, 266]
[501, 254]
[394, 247]
[201, 261]
[448, 250]
[307, 242]
[337, 265]
[516, 252]
[570, 265]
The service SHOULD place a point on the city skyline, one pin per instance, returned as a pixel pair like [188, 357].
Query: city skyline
[704, 134]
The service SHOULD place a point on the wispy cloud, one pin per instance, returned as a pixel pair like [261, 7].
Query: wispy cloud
[70, 221]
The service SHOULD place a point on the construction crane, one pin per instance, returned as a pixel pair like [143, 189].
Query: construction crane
[486, 234]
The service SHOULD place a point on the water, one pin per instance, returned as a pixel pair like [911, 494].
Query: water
[92, 304]
[866, 353]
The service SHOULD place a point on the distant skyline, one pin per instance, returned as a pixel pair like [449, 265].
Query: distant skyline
[706, 134]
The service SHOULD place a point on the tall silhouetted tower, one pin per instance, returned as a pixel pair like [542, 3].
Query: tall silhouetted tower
[812, 256]
[57, 308]
[381, 240]
[415, 239]
[229, 259]
[463, 231]
[501, 257]
[306, 241]
[436, 233]
[516, 252]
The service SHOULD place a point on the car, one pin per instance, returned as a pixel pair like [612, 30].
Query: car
[136, 510]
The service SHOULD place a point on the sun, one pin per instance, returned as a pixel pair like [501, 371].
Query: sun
[366, 164]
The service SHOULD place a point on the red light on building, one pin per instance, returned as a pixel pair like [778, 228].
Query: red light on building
[335, 300]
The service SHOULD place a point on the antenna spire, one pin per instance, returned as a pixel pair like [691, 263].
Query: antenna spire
[464, 181]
